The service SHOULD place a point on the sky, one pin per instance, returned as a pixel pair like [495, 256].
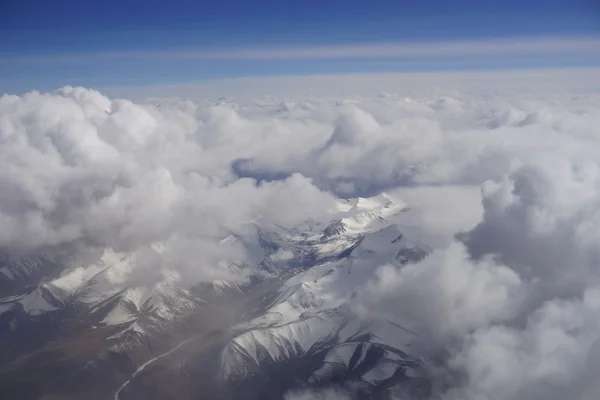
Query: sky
[509, 180]
[47, 45]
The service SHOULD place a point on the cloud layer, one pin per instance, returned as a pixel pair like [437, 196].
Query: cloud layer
[420, 85]
[509, 298]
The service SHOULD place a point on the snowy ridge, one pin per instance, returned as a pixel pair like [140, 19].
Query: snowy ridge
[220, 287]
[308, 335]
[24, 267]
[367, 362]
[313, 311]
[104, 289]
[34, 303]
[140, 309]
[277, 343]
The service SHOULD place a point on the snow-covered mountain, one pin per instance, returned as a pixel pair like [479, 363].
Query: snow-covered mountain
[295, 313]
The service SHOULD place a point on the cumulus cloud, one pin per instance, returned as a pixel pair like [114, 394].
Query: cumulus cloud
[450, 294]
[514, 304]
[508, 187]
[81, 170]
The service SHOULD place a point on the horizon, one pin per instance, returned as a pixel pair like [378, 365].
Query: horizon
[145, 44]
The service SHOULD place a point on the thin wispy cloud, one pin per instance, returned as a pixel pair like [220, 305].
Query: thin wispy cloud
[509, 46]
[515, 46]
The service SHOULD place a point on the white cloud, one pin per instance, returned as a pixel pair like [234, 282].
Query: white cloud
[449, 295]
[80, 169]
[282, 255]
[550, 358]
[521, 320]
[510, 303]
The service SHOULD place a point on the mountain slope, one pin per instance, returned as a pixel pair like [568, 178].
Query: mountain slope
[296, 316]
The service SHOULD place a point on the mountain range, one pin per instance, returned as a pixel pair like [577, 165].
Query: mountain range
[287, 322]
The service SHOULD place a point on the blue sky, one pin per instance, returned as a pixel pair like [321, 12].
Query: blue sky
[48, 44]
